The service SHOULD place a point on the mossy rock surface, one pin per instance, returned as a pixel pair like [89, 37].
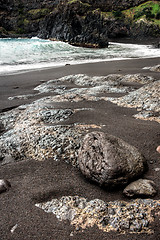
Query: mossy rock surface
[149, 10]
[38, 13]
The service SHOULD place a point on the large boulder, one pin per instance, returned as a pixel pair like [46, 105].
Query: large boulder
[108, 160]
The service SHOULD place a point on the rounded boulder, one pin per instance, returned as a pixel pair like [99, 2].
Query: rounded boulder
[109, 160]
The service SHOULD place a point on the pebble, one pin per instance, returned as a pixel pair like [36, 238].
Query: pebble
[158, 149]
[155, 68]
[157, 169]
[4, 185]
[14, 228]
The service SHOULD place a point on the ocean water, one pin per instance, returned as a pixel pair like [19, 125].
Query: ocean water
[17, 55]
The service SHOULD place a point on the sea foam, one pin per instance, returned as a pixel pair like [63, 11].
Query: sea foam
[17, 55]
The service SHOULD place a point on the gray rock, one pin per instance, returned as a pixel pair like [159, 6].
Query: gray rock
[7, 159]
[155, 68]
[141, 187]
[120, 216]
[108, 160]
[4, 185]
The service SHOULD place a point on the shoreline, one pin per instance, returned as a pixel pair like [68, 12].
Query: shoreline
[72, 64]
[20, 69]
[24, 83]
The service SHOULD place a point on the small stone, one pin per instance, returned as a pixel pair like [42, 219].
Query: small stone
[111, 211]
[157, 169]
[141, 187]
[145, 223]
[14, 228]
[71, 214]
[158, 149]
[104, 221]
[7, 159]
[135, 227]
[22, 107]
[4, 185]
[124, 224]
[155, 68]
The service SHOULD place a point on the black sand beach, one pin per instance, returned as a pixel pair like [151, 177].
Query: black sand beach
[37, 181]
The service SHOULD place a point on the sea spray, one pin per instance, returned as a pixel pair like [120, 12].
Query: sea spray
[18, 54]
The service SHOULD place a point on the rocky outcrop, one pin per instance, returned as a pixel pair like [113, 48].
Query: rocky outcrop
[155, 68]
[135, 216]
[84, 23]
[67, 24]
[108, 160]
[141, 187]
[145, 99]
[110, 5]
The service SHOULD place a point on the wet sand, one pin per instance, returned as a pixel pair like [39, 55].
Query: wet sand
[34, 181]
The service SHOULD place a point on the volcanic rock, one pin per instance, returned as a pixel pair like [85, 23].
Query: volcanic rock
[81, 23]
[141, 187]
[108, 160]
[4, 185]
[135, 216]
[155, 68]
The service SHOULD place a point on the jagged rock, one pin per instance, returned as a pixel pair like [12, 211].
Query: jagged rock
[82, 23]
[141, 187]
[108, 160]
[4, 185]
[119, 216]
[1, 128]
[155, 68]
[108, 5]
[66, 24]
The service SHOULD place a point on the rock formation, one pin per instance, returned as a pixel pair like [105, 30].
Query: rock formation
[84, 23]
[108, 160]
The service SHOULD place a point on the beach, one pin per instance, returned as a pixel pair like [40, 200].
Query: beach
[39, 180]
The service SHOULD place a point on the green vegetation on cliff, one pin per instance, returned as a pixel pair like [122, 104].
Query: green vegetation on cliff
[75, 1]
[38, 13]
[68, 17]
[148, 11]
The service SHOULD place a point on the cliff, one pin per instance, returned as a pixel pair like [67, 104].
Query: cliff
[84, 23]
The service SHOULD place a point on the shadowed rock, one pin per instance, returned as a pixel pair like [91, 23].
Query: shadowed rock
[108, 160]
[141, 187]
[4, 185]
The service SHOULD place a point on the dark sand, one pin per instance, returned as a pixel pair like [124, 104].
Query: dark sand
[34, 181]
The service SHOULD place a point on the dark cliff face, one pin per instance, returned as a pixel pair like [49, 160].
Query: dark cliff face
[110, 5]
[84, 23]
[68, 23]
